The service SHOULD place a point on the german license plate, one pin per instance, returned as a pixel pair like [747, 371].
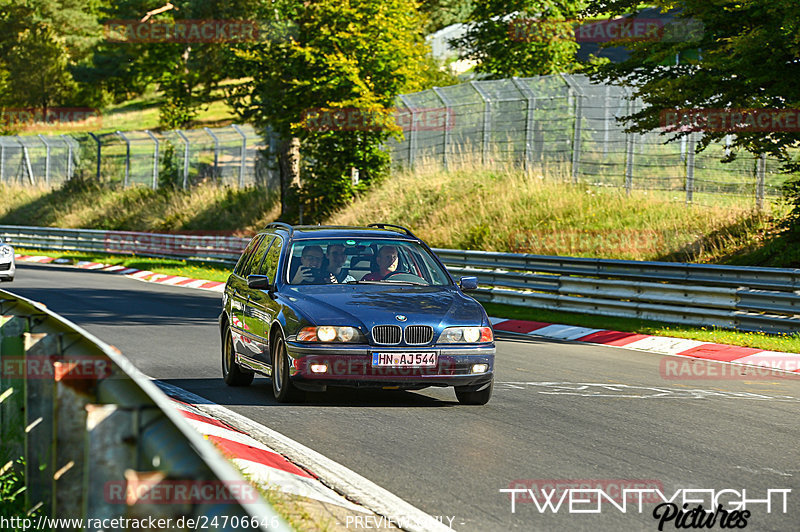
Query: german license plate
[404, 359]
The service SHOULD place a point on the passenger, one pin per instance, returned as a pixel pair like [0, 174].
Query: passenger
[310, 270]
[387, 264]
[336, 257]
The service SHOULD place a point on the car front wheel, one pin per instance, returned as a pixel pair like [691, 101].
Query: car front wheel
[282, 387]
[467, 396]
[232, 374]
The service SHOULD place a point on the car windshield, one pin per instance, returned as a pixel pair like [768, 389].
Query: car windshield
[367, 261]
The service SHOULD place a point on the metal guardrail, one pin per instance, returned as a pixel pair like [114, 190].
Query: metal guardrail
[101, 441]
[736, 297]
[223, 249]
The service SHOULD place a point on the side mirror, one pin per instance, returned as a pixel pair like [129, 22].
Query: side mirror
[468, 283]
[260, 282]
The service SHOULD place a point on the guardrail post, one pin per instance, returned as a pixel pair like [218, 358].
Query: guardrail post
[690, 168]
[446, 132]
[69, 156]
[216, 151]
[40, 350]
[12, 386]
[99, 147]
[155, 158]
[185, 158]
[46, 159]
[109, 433]
[127, 157]
[761, 173]
[244, 154]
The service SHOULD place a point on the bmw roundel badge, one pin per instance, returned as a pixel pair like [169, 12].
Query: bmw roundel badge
[400, 317]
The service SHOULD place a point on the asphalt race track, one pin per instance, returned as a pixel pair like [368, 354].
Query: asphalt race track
[560, 412]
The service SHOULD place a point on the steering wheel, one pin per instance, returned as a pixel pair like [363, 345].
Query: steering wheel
[405, 276]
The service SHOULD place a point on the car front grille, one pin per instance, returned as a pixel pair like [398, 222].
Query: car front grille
[419, 334]
[386, 334]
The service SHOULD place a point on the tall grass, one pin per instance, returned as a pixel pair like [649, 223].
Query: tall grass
[507, 209]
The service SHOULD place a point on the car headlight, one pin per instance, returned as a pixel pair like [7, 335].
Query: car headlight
[466, 335]
[327, 333]
[6, 251]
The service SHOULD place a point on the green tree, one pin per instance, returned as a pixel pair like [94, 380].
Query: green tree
[442, 13]
[521, 37]
[329, 55]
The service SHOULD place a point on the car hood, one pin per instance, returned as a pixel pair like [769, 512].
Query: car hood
[369, 305]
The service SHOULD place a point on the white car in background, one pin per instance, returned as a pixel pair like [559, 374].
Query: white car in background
[7, 265]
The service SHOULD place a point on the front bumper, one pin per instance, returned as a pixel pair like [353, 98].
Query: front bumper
[351, 365]
[7, 269]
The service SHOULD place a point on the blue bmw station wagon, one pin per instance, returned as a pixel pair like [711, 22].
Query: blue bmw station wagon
[317, 306]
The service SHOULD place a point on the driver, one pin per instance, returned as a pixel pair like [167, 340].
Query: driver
[387, 264]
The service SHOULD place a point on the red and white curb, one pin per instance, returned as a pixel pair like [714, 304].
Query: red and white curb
[664, 345]
[271, 457]
[258, 461]
[140, 275]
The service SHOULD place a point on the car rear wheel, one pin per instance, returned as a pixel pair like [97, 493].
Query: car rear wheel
[282, 386]
[467, 395]
[232, 374]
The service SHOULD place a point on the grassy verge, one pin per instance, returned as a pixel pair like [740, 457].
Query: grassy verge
[759, 340]
[191, 269]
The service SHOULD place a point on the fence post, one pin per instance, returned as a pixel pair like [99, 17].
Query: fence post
[127, 157]
[244, 154]
[155, 158]
[216, 151]
[629, 144]
[26, 160]
[530, 107]
[690, 168]
[185, 158]
[412, 137]
[487, 121]
[99, 147]
[46, 159]
[69, 156]
[576, 138]
[446, 132]
[606, 119]
[761, 173]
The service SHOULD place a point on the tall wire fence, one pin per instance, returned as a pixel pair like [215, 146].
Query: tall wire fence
[237, 155]
[560, 125]
[566, 127]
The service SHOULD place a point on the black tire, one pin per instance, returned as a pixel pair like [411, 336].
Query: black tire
[282, 387]
[232, 374]
[466, 396]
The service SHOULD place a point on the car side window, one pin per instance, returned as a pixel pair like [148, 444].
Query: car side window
[247, 254]
[270, 265]
[258, 256]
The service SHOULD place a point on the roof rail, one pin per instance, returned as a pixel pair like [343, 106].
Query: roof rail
[281, 225]
[400, 227]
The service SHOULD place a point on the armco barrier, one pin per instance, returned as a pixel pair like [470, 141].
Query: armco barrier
[101, 441]
[225, 249]
[740, 297]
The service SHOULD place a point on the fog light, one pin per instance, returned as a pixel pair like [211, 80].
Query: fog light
[319, 368]
[480, 368]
